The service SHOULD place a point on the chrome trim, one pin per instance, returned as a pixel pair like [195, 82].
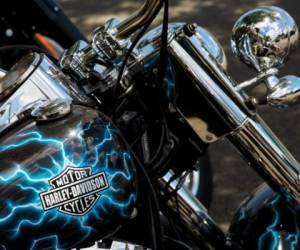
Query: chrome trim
[193, 215]
[150, 43]
[285, 93]
[115, 245]
[2, 73]
[45, 83]
[250, 134]
[52, 110]
[225, 81]
[192, 182]
[268, 156]
[257, 80]
[230, 111]
[264, 37]
[206, 40]
[138, 19]
[75, 59]
[17, 75]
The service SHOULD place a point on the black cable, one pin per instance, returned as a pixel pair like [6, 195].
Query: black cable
[155, 216]
[162, 66]
[160, 145]
[178, 242]
[164, 48]
[128, 54]
[158, 242]
[161, 69]
[163, 61]
[159, 232]
[27, 47]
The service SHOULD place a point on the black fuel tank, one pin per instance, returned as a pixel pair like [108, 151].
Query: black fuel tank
[64, 183]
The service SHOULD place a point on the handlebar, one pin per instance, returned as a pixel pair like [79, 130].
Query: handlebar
[138, 19]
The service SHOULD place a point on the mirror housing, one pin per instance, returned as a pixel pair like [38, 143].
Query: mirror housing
[264, 37]
[286, 92]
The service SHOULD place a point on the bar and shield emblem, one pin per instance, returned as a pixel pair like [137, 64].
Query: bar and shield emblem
[74, 191]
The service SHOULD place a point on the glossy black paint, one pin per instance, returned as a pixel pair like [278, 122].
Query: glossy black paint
[32, 154]
[265, 221]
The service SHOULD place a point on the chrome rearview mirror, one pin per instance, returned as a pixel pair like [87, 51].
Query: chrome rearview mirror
[286, 92]
[263, 38]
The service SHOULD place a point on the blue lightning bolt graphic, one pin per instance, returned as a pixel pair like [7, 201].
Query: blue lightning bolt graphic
[272, 230]
[98, 153]
[170, 77]
[272, 237]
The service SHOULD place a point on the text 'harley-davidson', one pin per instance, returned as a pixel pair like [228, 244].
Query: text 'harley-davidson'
[101, 143]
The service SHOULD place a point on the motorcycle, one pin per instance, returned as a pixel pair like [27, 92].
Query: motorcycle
[96, 144]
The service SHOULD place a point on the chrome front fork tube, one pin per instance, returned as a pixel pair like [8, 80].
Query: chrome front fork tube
[268, 156]
[247, 131]
[191, 214]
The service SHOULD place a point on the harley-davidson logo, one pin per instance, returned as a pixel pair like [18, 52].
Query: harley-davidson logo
[75, 191]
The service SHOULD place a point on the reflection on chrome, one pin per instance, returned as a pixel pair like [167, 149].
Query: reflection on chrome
[192, 214]
[286, 92]
[250, 134]
[263, 38]
[268, 156]
[43, 84]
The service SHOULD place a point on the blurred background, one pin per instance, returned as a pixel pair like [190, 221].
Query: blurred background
[233, 180]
